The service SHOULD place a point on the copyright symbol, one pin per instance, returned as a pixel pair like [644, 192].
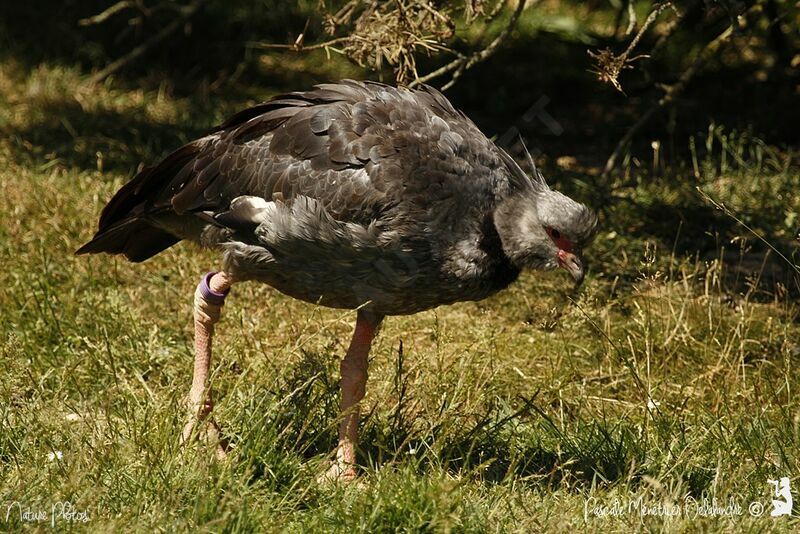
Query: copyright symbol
[756, 509]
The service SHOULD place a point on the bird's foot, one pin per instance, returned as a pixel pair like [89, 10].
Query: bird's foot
[205, 430]
[338, 472]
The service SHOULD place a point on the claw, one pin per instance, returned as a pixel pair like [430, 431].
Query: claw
[338, 472]
[204, 429]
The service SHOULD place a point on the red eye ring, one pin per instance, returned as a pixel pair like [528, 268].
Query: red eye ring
[561, 242]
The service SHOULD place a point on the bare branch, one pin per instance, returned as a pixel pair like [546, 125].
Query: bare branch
[631, 19]
[148, 45]
[453, 65]
[463, 63]
[106, 14]
[495, 11]
[299, 46]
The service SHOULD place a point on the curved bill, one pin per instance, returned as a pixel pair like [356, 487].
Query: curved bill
[573, 264]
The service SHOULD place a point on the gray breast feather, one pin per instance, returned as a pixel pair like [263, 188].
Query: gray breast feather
[301, 250]
[303, 227]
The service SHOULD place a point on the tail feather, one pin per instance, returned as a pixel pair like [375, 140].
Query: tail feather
[125, 226]
[148, 186]
[134, 238]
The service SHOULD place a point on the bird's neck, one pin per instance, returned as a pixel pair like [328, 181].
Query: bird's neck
[503, 270]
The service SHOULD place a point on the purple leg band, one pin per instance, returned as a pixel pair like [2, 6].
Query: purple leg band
[210, 295]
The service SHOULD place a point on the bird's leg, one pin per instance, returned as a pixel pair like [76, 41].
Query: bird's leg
[208, 301]
[354, 380]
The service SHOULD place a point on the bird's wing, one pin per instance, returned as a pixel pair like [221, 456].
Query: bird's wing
[357, 148]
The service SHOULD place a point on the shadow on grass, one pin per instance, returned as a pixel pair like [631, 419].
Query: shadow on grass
[99, 140]
[294, 424]
[589, 117]
[213, 44]
[285, 428]
[109, 139]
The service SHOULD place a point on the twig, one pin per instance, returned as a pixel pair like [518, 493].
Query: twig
[631, 19]
[464, 62]
[107, 13]
[609, 66]
[151, 43]
[433, 12]
[489, 50]
[676, 89]
[495, 11]
[440, 71]
[299, 46]
[345, 12]
[664, 38]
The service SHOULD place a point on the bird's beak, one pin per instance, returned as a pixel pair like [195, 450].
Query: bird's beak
[573, 264]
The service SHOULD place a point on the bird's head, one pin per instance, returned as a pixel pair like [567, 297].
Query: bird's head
[543, 229]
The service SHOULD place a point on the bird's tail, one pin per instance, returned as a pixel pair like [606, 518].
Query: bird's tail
[126, 223]
[133, 237]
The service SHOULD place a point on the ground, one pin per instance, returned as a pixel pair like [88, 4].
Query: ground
[668, 380]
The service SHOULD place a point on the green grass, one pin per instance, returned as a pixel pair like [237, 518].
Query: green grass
[670, 376]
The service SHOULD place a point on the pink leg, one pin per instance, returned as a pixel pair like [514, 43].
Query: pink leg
[208, 301]
[354, 380]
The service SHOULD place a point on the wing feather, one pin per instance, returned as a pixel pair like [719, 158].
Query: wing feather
[357, 148]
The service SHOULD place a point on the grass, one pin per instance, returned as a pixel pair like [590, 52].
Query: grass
[669, 379]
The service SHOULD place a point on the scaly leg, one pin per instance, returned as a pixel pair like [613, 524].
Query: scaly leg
[208, 301]
[354, 380]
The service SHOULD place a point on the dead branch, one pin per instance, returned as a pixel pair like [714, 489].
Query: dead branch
[664, 38]
[678, 87]
[631, 19]
[107, 13]
[395, 32]
[184, 14]
[300, 46]
[495, 12]
[609, 66]
[463, 62]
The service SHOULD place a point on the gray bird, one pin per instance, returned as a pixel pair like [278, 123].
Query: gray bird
[352, 195]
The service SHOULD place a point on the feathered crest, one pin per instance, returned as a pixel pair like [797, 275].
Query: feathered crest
[518, 177]
[536, 176]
